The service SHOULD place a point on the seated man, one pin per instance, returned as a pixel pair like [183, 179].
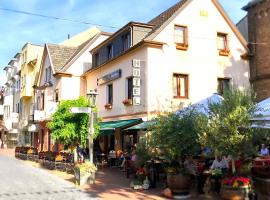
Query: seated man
[264, 151]
[220, 166]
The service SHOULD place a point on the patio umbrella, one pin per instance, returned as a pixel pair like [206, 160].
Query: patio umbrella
[263, 115]
[202, 105]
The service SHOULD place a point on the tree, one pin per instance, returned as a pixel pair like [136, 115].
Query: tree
[228, 131]
[175, 135]
[69, 128]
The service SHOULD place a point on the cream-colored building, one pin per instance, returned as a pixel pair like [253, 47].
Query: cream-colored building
[182, 56]
[31, 57]
[60, 79]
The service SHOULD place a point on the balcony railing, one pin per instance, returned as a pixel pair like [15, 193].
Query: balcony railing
[39, 115]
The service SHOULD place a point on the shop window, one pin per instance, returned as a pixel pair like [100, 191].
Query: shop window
[181, 37]
[180, 86]
[223, 85]
[110, 94]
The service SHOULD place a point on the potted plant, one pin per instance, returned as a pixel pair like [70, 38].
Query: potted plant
[235, 188]
[85, 173]
[172, 137]
[108, 106]
[127, 102]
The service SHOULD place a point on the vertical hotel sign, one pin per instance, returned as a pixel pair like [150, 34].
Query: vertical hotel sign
[136, 72]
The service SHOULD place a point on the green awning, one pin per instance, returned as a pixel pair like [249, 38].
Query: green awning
[141, 126]
[108, 128]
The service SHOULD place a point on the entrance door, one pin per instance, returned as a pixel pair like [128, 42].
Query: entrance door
[42, 139]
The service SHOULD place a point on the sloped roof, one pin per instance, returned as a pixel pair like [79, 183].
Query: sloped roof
[59, 55]
[164, 16]
[251, 4]
[159, 20]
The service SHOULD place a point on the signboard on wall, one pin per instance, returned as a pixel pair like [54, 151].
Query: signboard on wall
[136, 72]
[109, 77]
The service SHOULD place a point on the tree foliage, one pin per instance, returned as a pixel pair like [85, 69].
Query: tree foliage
[228, 130]
[175, 135]
[69, 128]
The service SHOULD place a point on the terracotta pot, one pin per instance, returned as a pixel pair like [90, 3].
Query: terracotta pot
[230, 193]
[179, 183]
[262, 187]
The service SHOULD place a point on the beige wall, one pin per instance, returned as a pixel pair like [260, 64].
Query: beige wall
[119, 85]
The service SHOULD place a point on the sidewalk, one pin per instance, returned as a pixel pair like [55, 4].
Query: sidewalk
[111, 183]
[7, 152]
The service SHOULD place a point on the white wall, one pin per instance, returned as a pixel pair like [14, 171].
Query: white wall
[201, 61]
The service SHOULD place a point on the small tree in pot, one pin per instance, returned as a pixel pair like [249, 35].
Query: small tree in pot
[172, 136]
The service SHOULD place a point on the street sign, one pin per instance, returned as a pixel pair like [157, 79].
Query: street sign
[80, 110]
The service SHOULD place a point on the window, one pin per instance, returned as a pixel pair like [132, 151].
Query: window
[110, 94]
[96, 59]
[180, 86]
[110, 52]
[222, 44]
[126, 42]
[129, 87]
[42, 101]
[56, 95]
[223, 85]
[48, 74]
[180, 36]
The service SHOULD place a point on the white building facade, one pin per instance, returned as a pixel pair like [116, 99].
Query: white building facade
[182, 56]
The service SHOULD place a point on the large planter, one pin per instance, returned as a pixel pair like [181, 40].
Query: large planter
[179, 183]
[82, 177]
[230, 193]
[262, 187]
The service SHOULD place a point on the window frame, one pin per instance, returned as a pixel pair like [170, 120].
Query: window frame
[178, 87]
[180, 45]
[96, 59]
[225, 51]
[110, 52]
[110, 94]
[126, 41]
[129, 82]
[219, 79]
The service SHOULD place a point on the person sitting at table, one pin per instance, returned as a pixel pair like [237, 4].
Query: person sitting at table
[264, 151]
[196, 170]
[222, 165]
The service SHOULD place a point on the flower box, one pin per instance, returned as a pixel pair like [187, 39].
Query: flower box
[224, 52]
[127, 102]
[108, 106]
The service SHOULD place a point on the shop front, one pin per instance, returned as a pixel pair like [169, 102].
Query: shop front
[113, 137]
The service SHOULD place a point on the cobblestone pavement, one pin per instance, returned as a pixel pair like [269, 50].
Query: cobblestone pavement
[19, 181]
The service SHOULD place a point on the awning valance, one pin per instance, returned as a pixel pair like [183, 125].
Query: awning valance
[142, 126]
[107, 128]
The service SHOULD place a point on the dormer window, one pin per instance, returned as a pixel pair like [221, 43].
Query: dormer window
[126, 41]
[110, 52]
[48, 72]
[96, 59]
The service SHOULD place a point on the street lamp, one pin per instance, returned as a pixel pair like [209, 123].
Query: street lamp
[92, 96]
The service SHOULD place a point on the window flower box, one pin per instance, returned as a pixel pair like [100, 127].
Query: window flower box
[127, 102]
[108, 106]
[224, 52]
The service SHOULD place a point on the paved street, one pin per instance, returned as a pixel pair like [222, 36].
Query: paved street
[20, 181]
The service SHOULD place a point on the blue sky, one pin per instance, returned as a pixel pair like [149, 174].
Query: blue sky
[17, 29]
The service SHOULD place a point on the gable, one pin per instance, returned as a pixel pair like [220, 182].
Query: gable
[46, 62]
[203, 18]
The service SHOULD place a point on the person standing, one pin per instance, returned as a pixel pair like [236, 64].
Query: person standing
[264, 151]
